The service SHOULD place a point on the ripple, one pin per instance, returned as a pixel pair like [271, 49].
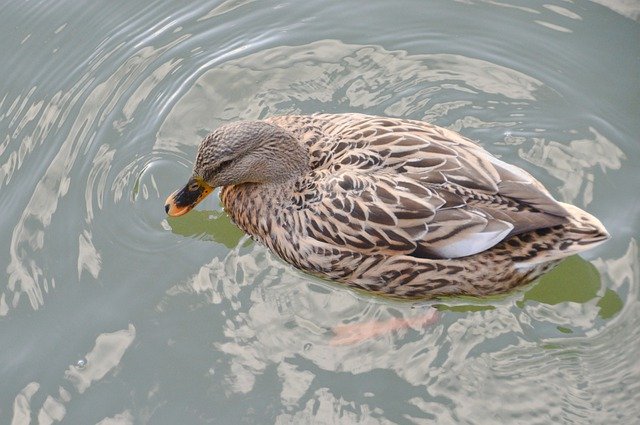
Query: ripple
[137, 201]
[279, 322]
[91, 137]
[341, 77]
[102, 121]
[73, 135]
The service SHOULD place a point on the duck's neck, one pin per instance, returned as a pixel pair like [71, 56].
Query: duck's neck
[288, 162]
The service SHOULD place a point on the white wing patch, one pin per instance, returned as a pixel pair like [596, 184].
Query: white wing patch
[474, 243]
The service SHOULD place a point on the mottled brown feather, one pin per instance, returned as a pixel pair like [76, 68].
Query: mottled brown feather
[405, 208]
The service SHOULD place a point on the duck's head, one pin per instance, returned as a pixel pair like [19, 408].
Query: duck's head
[242, 152]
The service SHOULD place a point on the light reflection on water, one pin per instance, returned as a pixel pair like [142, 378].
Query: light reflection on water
[183, 319]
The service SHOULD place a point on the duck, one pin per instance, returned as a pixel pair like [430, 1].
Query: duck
[390, 206]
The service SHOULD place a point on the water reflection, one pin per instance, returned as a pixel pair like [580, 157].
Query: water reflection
[100, 117]
[576, 163]
[77, 128]
[123, 418]
[625, 8]
[105, 356]
[275, 315]
[331, 76]
[628, 9]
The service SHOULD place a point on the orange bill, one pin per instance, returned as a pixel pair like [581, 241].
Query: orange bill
[182, 201]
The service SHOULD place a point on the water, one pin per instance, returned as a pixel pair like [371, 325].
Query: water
[111, 313]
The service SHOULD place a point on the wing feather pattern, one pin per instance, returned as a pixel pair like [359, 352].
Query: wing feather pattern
[407, 187]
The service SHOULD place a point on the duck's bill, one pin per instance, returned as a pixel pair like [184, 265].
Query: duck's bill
[182, 201]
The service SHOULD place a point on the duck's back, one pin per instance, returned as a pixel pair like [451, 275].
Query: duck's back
[409, 209]
[410, 187]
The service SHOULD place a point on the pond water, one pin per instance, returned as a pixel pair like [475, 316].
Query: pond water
[111, 313]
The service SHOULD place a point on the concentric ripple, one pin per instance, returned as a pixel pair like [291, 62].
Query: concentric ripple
[185, 320]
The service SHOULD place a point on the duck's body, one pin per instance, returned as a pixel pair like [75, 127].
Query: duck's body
[395, 206]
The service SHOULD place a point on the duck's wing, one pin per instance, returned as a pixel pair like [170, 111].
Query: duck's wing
[408, 187]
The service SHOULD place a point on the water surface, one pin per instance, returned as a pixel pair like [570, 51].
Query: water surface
[111, 313]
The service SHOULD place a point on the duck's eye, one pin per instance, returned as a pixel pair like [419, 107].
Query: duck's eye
[223, 164]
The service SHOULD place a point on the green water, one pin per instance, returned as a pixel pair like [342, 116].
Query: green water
[111, 313]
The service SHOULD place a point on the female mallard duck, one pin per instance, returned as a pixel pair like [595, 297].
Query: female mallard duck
[387, 205]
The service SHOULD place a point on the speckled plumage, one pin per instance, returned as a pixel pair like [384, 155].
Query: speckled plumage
[391, 206]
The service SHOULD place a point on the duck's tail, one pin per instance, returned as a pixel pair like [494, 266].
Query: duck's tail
[582, 232]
